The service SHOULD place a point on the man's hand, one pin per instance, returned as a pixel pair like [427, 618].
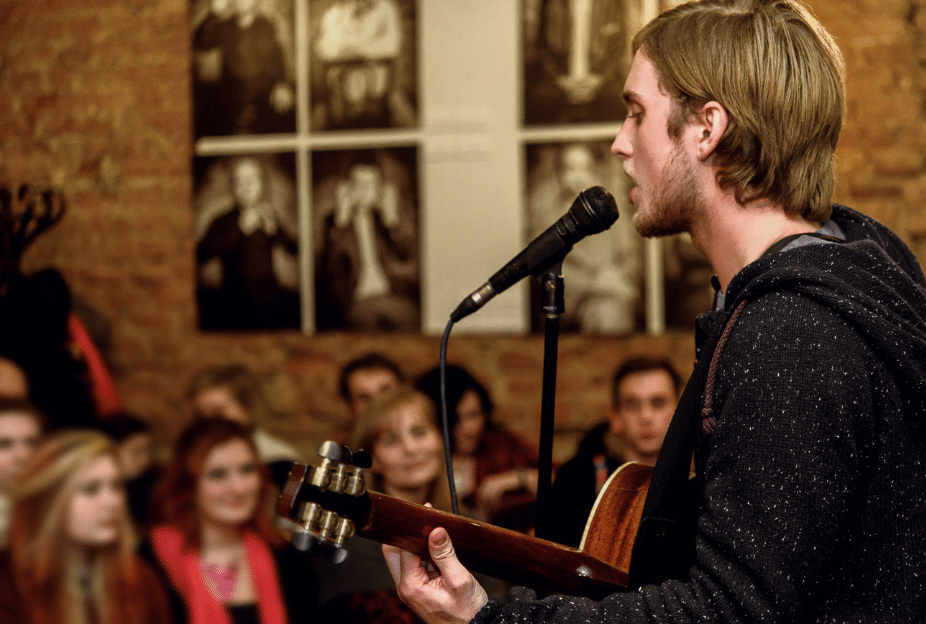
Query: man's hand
[449, 594]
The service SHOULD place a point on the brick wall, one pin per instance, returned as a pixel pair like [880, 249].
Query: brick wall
[94, 98]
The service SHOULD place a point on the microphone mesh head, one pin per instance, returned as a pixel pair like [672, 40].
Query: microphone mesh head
[593, 211]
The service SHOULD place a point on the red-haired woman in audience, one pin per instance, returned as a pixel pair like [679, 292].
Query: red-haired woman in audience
[213, 536]
[72, 553]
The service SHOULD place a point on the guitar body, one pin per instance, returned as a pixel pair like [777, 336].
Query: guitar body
[597, 569]
[615, 517]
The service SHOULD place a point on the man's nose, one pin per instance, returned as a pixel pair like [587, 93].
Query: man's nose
[621, 146]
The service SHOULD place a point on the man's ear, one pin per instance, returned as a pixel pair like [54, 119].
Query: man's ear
[712, 121]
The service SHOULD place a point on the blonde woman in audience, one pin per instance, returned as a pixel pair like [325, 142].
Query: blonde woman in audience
[72, 557]
[399, 429]
[21, 426]
[213, 537]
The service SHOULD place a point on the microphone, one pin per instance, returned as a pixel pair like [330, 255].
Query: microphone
[593, 211]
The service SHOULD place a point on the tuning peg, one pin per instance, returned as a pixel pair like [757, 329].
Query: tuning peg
[361, 459]
[343, 530]
[309, 513]
[331, 451]
[304, 540]
[355, 484]
[332, 552]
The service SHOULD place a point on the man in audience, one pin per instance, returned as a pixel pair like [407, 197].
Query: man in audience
[21, 427]
[644, 394]
[361, 379]
[136, 455]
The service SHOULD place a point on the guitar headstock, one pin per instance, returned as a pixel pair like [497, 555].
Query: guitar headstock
[321, 506]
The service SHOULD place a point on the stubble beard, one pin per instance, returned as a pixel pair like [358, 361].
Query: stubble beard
[674, 204]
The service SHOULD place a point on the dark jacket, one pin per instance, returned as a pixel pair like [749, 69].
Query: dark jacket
[574, 489]
[811, 485]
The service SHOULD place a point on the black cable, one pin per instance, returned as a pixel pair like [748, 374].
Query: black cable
[445, 419]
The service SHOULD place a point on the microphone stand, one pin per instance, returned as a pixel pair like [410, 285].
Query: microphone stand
[553, 305]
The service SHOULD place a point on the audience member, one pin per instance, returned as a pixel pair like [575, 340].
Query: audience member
[21, 425]
[400, 430]
[644, 394]
[37, 320]
[72, 556]
[135, 452]
[13, 382]
[494, 469]
[214, 539]
[361, 379]
[234, 392]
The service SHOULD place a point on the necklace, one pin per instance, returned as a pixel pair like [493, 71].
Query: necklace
[223, 577]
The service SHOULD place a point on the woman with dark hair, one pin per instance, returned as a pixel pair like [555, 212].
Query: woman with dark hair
[71, 557]
[215, 541]
[494, 469]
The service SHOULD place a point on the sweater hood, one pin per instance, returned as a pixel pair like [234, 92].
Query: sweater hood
[873, 281]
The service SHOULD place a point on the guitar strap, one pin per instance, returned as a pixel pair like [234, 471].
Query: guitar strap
[664, 545]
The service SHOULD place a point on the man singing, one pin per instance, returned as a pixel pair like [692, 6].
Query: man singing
[806, 411]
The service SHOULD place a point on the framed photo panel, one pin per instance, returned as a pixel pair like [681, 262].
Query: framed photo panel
[576, 56]
[366, 239]
[246, 242]
[603, 273]
[243, 67]
[363, 64]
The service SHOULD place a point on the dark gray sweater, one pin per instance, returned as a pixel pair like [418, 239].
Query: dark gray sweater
[812, 486]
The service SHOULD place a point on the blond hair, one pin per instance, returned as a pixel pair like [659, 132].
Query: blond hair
[377, 418]
[45, 567]
[781, 79]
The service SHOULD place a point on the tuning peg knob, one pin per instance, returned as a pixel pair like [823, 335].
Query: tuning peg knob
[330, 450]
[362, 459]
[304, 541]
[332, 552]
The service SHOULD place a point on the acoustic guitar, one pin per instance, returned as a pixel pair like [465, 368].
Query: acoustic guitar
[324, 506]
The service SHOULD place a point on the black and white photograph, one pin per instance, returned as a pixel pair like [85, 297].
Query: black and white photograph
[576, 54]
[243, 67]
[603, 273]
[366, 233]
[247, 242]
[363, 64]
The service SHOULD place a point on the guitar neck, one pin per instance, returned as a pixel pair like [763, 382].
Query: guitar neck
[500, 553]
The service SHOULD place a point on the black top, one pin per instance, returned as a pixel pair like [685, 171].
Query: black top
[243, 613]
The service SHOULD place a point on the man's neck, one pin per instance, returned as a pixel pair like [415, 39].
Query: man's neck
[733, 235]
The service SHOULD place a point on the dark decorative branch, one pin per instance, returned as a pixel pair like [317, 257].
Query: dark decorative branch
[24, 215]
